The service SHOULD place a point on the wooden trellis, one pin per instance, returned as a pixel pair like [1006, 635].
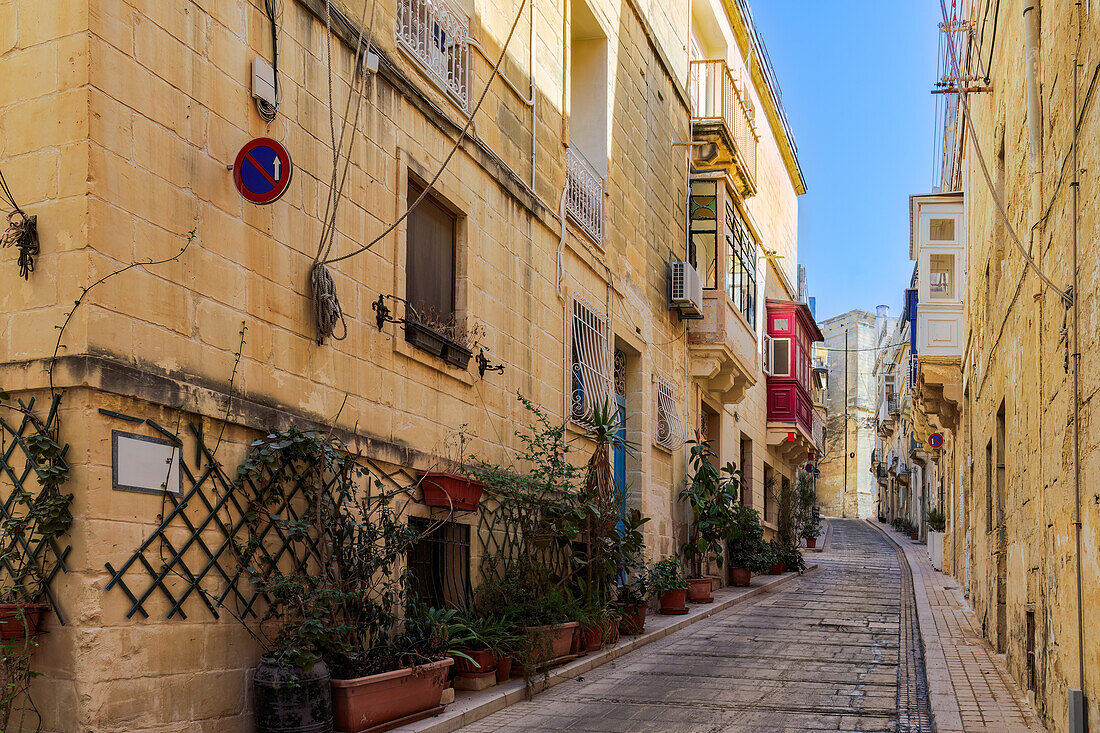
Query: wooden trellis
[27, 559]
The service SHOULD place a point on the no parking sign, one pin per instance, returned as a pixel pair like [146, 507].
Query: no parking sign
[935, 440]
[262, 171]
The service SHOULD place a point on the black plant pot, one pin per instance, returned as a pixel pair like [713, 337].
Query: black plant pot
[438, 344]
[297, 700]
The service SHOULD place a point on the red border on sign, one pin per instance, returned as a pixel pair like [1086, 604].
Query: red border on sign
[284, 159]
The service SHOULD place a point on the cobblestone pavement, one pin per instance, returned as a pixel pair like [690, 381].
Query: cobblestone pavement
[821, 653]
[971, 689]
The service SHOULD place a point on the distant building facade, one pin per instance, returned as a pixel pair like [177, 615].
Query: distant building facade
[846, 487]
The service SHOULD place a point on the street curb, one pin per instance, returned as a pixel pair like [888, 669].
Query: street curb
[475, 706]
[942, 699]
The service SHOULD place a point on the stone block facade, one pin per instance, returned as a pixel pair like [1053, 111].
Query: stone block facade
[119, 121]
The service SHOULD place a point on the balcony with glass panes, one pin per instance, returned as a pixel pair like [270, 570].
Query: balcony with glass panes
[795, 428]
[723, 344]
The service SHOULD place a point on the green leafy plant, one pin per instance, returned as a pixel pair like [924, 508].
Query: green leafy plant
[937, 520]
[712, 496]
[745, 546]
[667, 575]
[808, 514]
[791, 557]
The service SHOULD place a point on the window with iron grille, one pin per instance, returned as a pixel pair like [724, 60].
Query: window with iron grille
[741, 251]
[438, 36]
[590, 362]
[439, 564]
[670, 431]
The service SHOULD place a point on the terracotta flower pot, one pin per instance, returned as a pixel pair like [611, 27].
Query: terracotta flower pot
[445, 490]
[633, 620]
[740, 577]
[778, 568]
[504, 668]
[674, 602]
[580, 646]
[593, 636]
[369, 701]
[484, 664]
[699, 590]
[811, 542]
[557, 638]
[22, 619]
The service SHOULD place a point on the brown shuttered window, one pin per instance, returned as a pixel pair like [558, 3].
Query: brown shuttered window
[430, 258]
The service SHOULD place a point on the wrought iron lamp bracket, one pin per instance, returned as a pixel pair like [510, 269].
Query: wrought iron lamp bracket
[484, 365]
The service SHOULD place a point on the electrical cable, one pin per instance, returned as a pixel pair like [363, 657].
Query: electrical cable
[454, 149]
[1063, 294]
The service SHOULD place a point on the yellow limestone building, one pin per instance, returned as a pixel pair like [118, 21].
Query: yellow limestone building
[1008, 366]
[544, 242]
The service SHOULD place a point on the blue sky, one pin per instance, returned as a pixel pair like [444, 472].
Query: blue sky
[856, 78]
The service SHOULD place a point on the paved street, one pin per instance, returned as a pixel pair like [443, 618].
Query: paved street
[821, 653]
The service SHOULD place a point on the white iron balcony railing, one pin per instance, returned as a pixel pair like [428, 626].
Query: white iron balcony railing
[584, 201]
[438, 36]
[716, 97]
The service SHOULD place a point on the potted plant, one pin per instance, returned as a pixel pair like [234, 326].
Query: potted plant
[337, 646]
[777, 554]
[808, 514]
[632, 599]
[669, 585]
[442, 335]
[745, 546]
[711, 494]
[937, 523]
[451, 491]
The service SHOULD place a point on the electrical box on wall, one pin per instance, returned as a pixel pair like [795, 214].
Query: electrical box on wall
[263, 81]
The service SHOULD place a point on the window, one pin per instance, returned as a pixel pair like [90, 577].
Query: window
[703, 210]
[438, 36]
[670, 431]
[591, 362]
[746, 470]
[941, 276]
[941, 230]
[777, 363]
[430, 260]
[439, 564]
[741, 251]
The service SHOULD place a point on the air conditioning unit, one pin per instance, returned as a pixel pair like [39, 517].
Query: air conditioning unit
[685, 290]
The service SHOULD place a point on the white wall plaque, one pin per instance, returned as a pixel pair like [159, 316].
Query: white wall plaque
[144, 464]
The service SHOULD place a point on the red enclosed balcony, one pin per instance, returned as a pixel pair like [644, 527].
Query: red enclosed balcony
[795, 428]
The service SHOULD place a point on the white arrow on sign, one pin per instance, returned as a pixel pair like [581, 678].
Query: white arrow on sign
[276, 164]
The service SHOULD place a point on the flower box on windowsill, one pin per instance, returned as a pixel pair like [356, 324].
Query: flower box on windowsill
[428, 339]
[451, 491]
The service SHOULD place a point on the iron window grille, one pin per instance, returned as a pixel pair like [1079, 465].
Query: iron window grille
[584, 200]
[670, 430]
[439, 564]
[438, 36]
[591, 362]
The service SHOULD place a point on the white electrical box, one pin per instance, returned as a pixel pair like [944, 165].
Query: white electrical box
[263, 81]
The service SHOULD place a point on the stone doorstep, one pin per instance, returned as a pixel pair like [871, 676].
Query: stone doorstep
[471, 707]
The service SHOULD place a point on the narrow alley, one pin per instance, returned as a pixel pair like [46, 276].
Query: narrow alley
[838, 649]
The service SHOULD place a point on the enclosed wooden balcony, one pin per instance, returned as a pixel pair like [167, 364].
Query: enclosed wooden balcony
[722, 114]
[723, 351]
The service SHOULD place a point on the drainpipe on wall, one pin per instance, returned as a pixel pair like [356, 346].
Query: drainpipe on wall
[1034, 107]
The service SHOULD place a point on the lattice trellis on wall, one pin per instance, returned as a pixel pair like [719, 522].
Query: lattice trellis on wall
[208, 537]
[28, 560]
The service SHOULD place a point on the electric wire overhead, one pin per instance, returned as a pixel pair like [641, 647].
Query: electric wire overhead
[22, 231]
[326, 303]
[1064, 294]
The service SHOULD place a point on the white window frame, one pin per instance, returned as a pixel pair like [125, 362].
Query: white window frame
[590, 362]
[669, 428]
[771, 361]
